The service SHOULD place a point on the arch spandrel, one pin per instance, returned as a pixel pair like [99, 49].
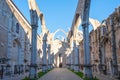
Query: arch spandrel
[95, 23]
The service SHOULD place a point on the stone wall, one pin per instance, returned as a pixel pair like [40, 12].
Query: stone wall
[101, 38]
[4, 23]
[15, 38]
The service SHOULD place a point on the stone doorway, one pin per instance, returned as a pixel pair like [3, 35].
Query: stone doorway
[60, 65]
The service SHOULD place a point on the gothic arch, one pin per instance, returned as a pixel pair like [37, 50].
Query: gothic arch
[106, 55]
[77, 22]
[94, 22]
[60, 36]
[16, 52]
[58, 30]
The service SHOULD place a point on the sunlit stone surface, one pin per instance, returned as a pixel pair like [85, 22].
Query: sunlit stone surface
[16, 45]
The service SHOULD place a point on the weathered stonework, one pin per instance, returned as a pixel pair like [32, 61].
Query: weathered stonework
[16, 34]
[101, 46]
[15, 39]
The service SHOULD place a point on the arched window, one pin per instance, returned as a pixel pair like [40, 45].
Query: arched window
[17, 28]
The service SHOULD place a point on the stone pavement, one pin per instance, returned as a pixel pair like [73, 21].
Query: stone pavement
[60, 74]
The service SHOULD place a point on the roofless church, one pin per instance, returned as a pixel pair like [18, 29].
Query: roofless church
[24, 53]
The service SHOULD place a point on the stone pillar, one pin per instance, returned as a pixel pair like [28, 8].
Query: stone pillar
[44, 66]
[72, 60]
[76, 60]
[53, 57]
[52, 60]
[49, 59]
[58, 60]
[21, 54]
[113, 42]
[87, 62]
[67, 61]
[10, 43]
[34, 24]
[85, 24]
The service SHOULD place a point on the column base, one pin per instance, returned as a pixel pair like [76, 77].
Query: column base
[33, 71]
[88, 71]
[44, 67]
[76, 68]
[72, 66]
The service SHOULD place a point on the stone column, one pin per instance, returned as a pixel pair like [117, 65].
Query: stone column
[44, 66]
[85, 24]
[58, 60]
[53, 57]
[21, 54]
[68, 58]
[49, 59]
[72, 60]
[68, 61]
[9, 48]
[34, 24]
[76, 55]
[87, 62]
[113, 42]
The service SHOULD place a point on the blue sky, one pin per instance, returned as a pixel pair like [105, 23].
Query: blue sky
[60, 13]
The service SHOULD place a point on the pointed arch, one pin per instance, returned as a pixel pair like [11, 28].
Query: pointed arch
[16, 53]
[58, 30]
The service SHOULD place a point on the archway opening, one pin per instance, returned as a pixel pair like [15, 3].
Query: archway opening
[60, 34]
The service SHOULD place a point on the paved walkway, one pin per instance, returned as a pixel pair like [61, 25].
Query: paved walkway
[60, 74]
